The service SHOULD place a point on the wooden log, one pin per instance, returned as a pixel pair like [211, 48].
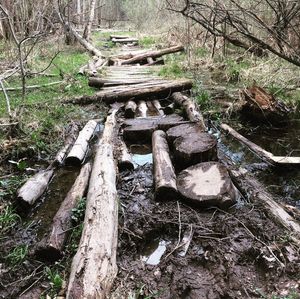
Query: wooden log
[156, 62]
[99, 82]
[195, 148]
[183, 131]
[113, 36]
[153, 54]
[124, 157]
[190, 108]
[94, 265]
[257, 193]
[207, 184]
[34, 188]
[169, 109]
[142, 109]
[150, 60]
[79, 150]
[152, 111]
[50, 248]
[134, 93]
[96, 82]
[130, 109]
[164, 173]
[158, 107]
[125, 40]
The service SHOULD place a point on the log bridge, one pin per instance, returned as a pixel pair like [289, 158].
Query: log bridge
[186, 166]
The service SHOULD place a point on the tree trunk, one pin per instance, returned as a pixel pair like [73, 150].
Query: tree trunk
[183, 131]
[88, 27]
[164, 173]
[50, 248]
[80, 148]
[142, 109]
[94, 265]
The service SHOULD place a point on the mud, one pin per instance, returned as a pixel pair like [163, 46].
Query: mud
[238, 253]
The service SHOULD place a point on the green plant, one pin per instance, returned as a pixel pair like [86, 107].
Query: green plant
[79, 211]
[55, 279]
[18, 254]
[147, 41]
[172, 70]
[201, 52]
[8, 219]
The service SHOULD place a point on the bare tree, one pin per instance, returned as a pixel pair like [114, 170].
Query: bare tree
[88, 27]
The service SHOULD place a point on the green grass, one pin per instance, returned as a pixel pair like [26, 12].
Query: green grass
[8, 219]
[18, 255]
[147, 41]
[55, 280]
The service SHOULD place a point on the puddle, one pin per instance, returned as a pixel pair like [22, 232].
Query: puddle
[154, 252]
[141, 154]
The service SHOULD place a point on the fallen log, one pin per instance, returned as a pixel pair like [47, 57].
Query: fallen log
[124, 157]
[135, 92]
[183, 131]
[125, 40]
[94, 265]
[262, 106]
[119, 36]
[194, 148]
[130, 109]
[164, 173]
[99, 82]
[190, 108]
[206, 185]
[158, 107]
[50, 248]
[34, 188]
[260, 152]
[79, 149]
[142, 109]
[256, 192]
[156, 62]
[153, 54]
[169, 109]
[152, 111]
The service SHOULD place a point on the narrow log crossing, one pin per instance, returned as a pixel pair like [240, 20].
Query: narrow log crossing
[186, 164]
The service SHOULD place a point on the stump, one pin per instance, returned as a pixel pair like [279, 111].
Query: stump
[207, 184]
[194, 148]
[182, 131]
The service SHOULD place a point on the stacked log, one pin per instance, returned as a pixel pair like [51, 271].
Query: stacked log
[130, 109]
[124, 157]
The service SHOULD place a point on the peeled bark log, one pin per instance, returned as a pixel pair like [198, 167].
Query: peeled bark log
[142, 109]
[190, 108]
[207, 184]
[79, 150]
[34, 188]
[195, 148]
[153, 54]
[135, 92]
[51, 247]
[130, 109]
[94, 265]
[183, 131]
[124, 159]
[164, 173]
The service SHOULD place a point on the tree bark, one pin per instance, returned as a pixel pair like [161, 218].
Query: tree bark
[164, 173]
[94, 265]
[51, 247]
[88, 27]
[142, 109]
[79, 149]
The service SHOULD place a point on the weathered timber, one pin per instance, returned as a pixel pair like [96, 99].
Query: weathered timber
[156, 62]
[69, 141]
[125, 40]
[207, 184]
[99, 82]
[152, 111]
[81, 145]
[50, 248]
[150, 60]
[153, 54]
[190, 108]
[260, 152]
[33, 189]
[257, 193]
[124, 158]
[183, 131]
[164, 173]
[96, 82]
[142, 109]
[113, 36]
[158, 107]
[135, 92]
[194, 148]
[130, 109]
[94, 265]
[262, 106]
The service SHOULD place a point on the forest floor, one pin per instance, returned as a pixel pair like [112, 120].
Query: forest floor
[238, 253]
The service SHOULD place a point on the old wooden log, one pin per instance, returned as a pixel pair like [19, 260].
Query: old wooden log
[262, 106]
[94, 265]
[164, 173]
[207, 184]
[125, 40]
[194, 148]
[81, 145]
[156, 62]
[34, 188]
[158, 107]
[142, 109]
[136, 92]
[96, 82]
[183, 131]
[113, 36]
[153, 54]
[190, 108]
[124, 157]
[50, 248]
[100, 82]
[130, 109]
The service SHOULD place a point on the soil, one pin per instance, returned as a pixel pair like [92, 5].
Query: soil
[238, 253]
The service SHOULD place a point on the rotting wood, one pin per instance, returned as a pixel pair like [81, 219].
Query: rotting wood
[124, 158]
[256, 192]
[50, 248]
[135, 92]
[158, 107]
[207, 184]
[183, 131]
[130, 109]
[260, 152]
[153, 54]
[194, 148]
[99, 82]
[152, 111]
[142, 109]
[190, 108]
[34, 188]
[94, 265]
[164, 173]
[81, 145]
